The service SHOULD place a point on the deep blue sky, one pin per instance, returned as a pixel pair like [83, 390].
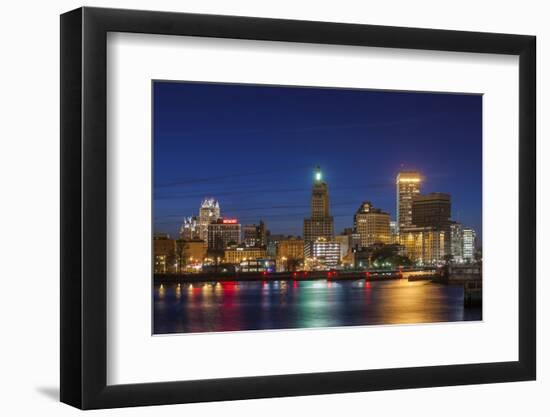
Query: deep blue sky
[254, 149]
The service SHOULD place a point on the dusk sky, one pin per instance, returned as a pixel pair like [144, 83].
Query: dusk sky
[254, 149]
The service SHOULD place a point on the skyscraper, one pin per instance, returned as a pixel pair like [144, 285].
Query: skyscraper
[209, 212]
[457, 242]
[372, 224]
[407, 186]
[469, 244]
[321, 223]
[189, 229]
[432, 210]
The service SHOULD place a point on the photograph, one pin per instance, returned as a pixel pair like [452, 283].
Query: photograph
[299, 207]
[281, 204]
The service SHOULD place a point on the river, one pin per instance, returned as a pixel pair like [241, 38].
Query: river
[259, 305]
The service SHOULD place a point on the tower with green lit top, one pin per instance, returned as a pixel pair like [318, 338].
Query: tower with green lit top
[321, 223]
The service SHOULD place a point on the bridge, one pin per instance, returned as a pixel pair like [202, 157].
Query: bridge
[415, 273]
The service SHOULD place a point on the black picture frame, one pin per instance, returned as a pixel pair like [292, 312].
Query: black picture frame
[84, 207]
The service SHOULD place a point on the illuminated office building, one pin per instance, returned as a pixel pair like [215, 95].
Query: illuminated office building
[372, 224]
[423, 245]
[189, 229]
[457, 242]
[290, 248]
[433, 210]
[469, 244]
[321, 223]
[236, 255]
[408, 185]
[324, 252]
[290, 254]
[209, 212]
[222, 232]
[394, 236]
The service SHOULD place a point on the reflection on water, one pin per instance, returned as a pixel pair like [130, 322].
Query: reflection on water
[257, 305]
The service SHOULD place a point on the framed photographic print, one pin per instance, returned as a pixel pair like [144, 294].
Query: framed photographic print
[257, 208]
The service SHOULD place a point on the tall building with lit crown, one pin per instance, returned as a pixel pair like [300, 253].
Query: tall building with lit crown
[209, 212]
[189, 229]
[372, 224]
[469, 244]
[321, 223]
[408, 185]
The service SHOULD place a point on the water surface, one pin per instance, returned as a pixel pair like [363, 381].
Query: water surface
[260, 305]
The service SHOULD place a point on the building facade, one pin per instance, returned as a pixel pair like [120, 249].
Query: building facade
[257, 265]
[164, 254]
[290, 248]
[394, 235]
[323, 253]
[209, 212]
[192, 251]
[238, 254]
[424, 245]
[431, 210]
[469, 244]
[289, 254]
[222, 232]
[457, 242]
[372, 224]
[345, 244]
[273, 243]
[408, 184]
[321, 223]
[254, 235]
[189, 229]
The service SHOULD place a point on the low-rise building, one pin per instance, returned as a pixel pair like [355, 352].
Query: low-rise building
[192, 251]
[235, 255]
[255, 234]
[322, 253]
[257, 265]
[345, 244]
[290, 254]
[164, 254]
[423, 245]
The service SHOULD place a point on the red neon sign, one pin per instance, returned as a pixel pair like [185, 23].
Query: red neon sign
[229, 221]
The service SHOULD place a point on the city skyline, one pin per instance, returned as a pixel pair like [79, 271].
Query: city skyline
[278, 191]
